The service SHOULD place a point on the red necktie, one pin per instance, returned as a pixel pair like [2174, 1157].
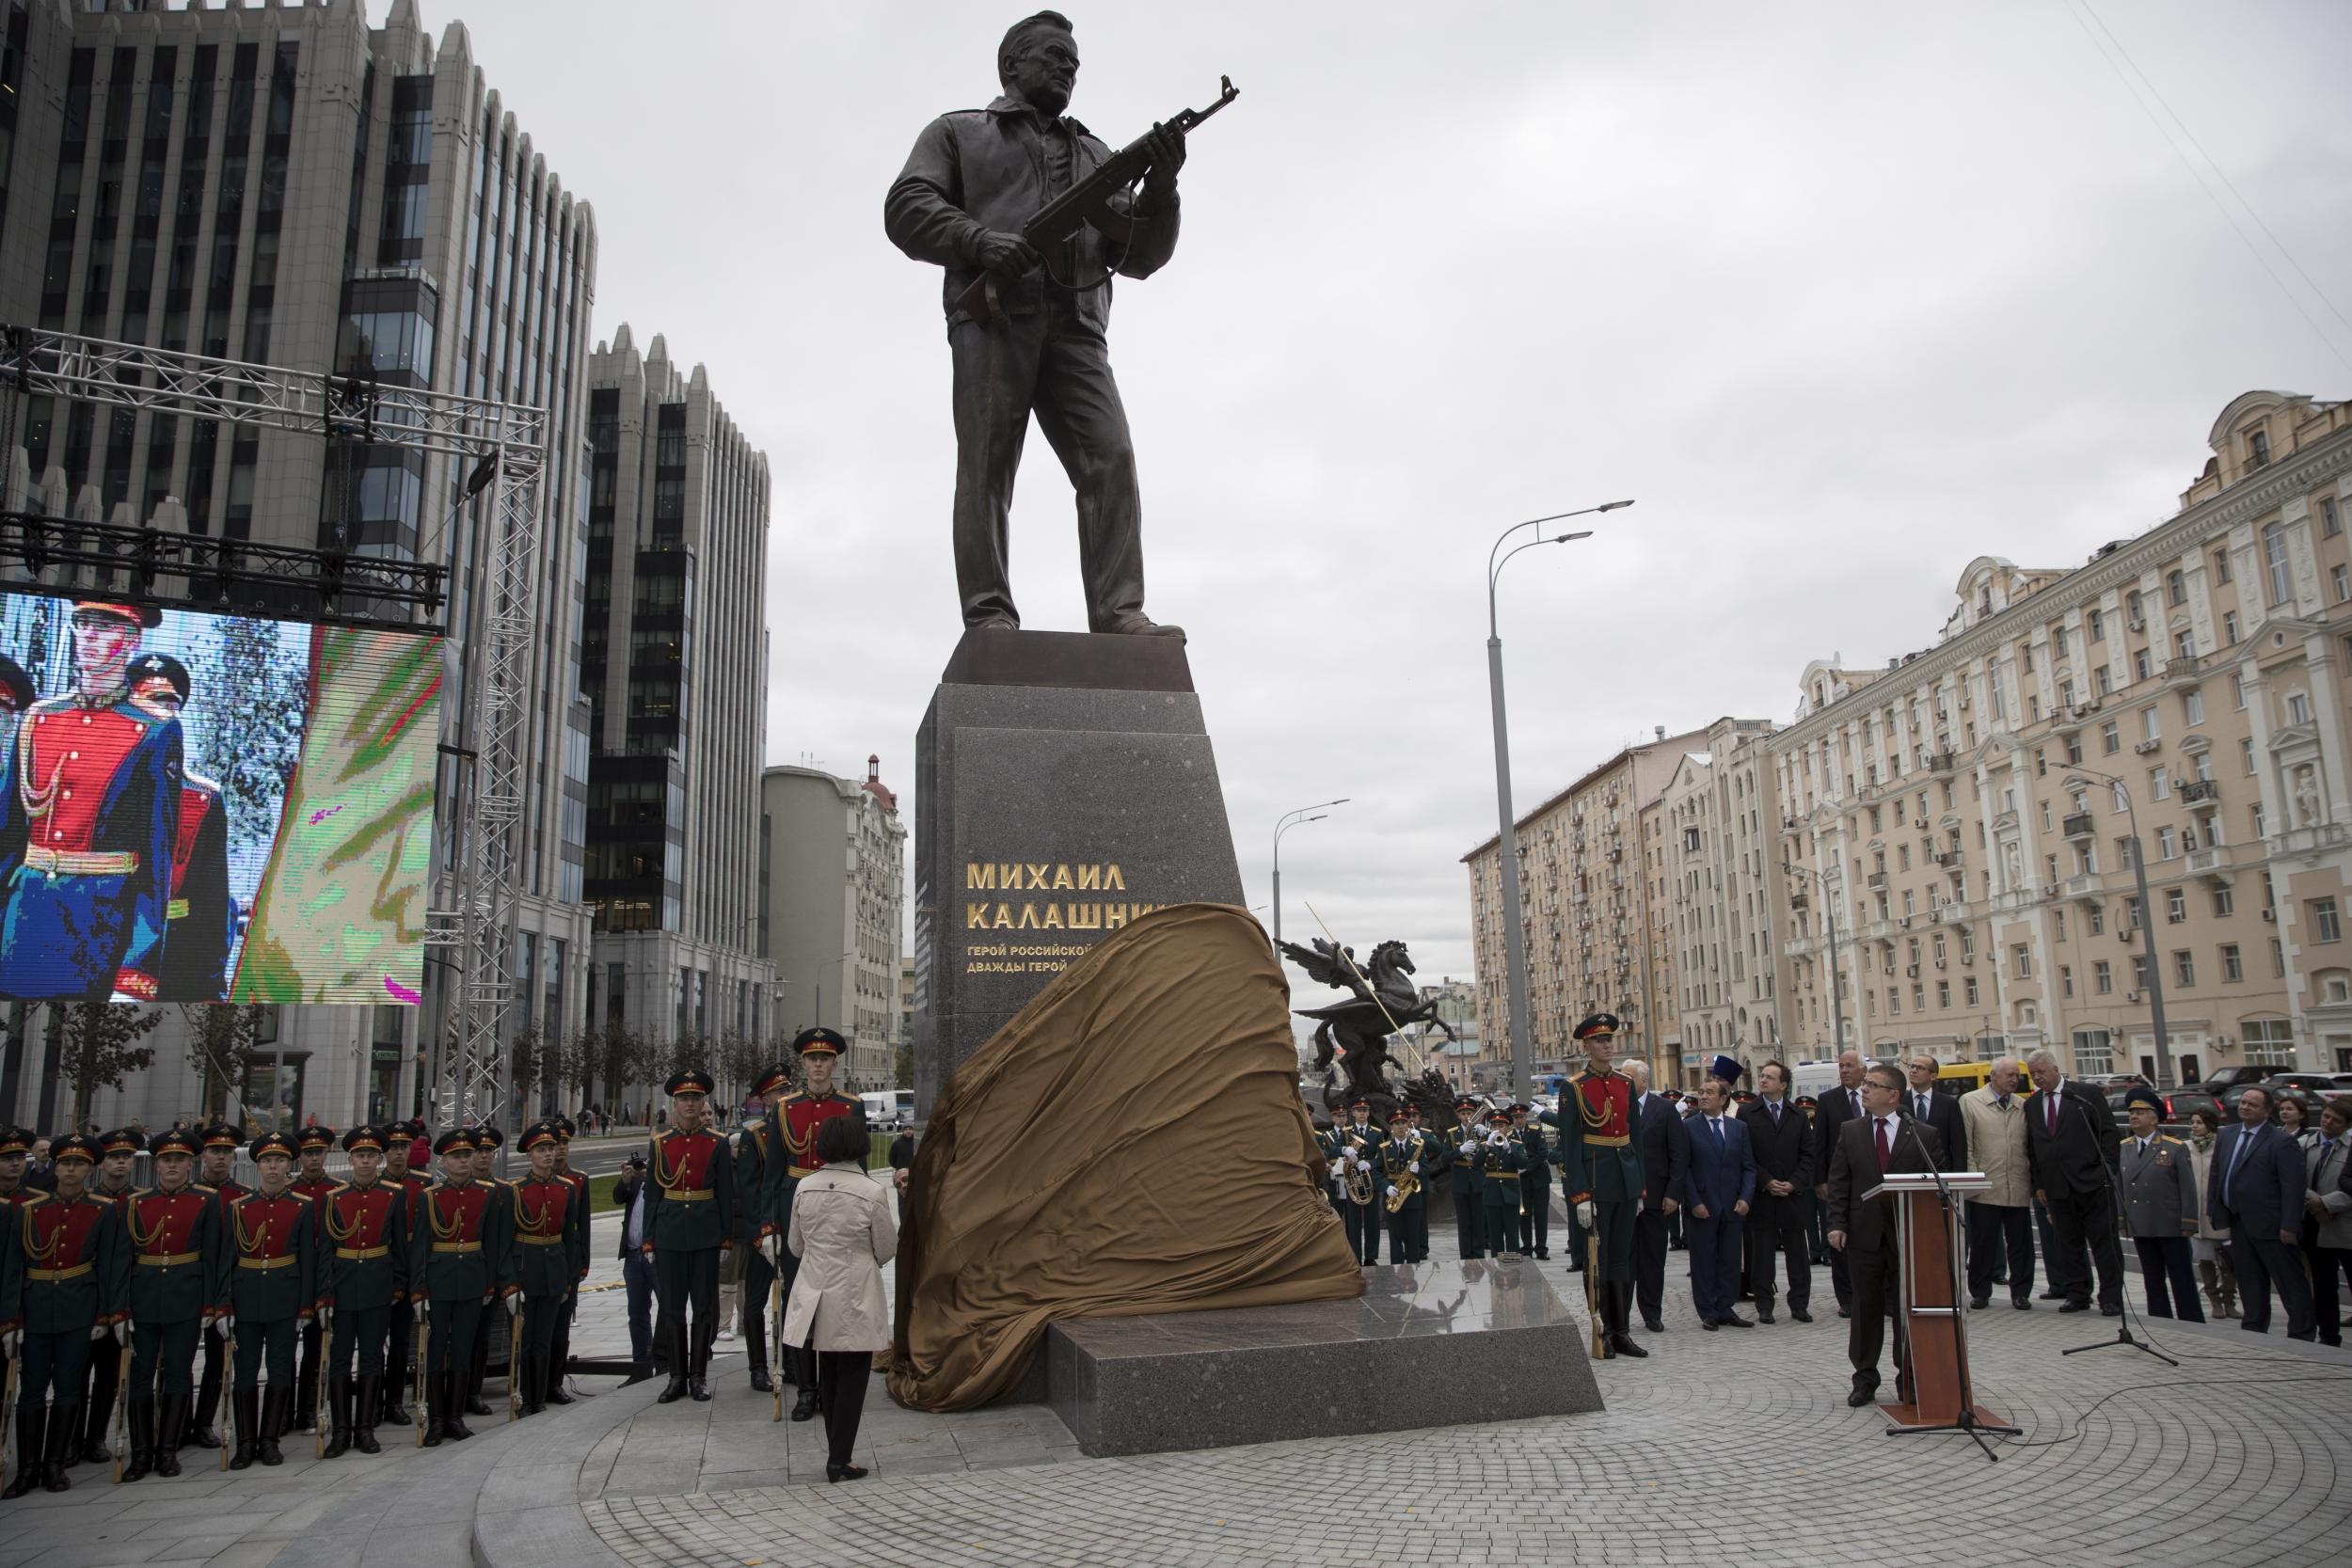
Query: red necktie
[2053, 1115]
[1887, 1146]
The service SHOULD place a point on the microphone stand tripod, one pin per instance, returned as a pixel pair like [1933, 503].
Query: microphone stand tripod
[1966, 1419]
[2123, 1336]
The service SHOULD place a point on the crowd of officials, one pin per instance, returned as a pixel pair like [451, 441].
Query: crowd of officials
[1764, 1191]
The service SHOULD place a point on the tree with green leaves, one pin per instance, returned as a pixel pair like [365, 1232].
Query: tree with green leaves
[101, 1048]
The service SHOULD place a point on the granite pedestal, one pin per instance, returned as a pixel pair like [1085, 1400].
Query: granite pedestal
[1429, 1344]
[1064, 786]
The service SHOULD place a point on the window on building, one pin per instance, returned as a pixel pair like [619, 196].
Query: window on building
[2299, 708]
[2275, 564]
[2228, 628]
[2022, 957]
[2102, 977]
[2261, 825]
[2233, 970]
[2141, 665]
[2110, 737]
[2175, 587]
[2326, 925]
[2183, 968]
[2066, 979]
[2151, 726]
[2160, 784]
[2224, 900]
[1968, 988]
[2246, 756]
[2169, 849]
[2097, 621]
[2269, 1041]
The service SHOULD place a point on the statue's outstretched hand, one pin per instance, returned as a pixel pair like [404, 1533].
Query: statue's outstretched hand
[1007, 254]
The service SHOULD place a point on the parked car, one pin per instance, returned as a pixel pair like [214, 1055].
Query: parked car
[2275, 1087]
[2229, 1076]
[2317, 1082]
[2343, 1081]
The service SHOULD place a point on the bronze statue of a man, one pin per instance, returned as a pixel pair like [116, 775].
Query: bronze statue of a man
[973, 181]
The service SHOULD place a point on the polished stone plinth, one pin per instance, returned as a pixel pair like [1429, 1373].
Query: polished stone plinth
[1429, 1344]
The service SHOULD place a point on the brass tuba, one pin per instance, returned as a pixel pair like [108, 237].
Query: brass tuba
[1358, 1180]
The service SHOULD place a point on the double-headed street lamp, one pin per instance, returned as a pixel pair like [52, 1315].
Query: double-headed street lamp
[1291, 819]
[2146, 913]
[1507, 837]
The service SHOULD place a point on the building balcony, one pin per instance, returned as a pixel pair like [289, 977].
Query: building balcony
[2077, 825]
[2198, 792]
[2085, 886]
[1800, 900]
[2184, 670]
[1876, 880]
[1949, 859]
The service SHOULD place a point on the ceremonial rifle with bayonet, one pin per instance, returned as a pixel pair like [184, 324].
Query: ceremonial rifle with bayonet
[1088, 205]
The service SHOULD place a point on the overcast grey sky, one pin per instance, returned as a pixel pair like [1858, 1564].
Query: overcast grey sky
[1846, 295]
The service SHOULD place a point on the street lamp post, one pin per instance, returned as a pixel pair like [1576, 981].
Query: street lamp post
[2147, 918]
[1830, 896]
[1291, 819]
[1506, 835]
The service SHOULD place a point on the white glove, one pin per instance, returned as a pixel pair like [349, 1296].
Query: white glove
[122, 1332]
[420, 1304]
[1641, 1205]
[514, 1304]
[1470, 1145]
[8, 1343]
[326, 1315]
[100, 1331]
[225, 1325]
[773, 1247]
[1584, 1214]
[1413, 1165]
[1391, 1193]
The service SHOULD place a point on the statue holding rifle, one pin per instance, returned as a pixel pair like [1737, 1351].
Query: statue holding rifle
[1031, 216]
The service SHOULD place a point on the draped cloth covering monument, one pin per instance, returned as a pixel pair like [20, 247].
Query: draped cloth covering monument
[1133, 1142]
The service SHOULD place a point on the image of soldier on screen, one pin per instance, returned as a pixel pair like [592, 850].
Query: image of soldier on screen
[201, 917]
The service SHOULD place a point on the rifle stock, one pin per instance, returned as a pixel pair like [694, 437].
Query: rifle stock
[1087, 205]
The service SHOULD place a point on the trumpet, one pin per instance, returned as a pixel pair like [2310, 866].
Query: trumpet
[1358, 1176]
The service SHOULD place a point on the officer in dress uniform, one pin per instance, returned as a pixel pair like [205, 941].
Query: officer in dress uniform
[90, 799]
[116, 1152]
[311, 1184]
[1331, 1143]
[15, 1144]
[575, 1215]
[1458, 1149]
[792, 1125]
[1535, 1184]
[551, 1254]
[201, 918]
[363, 1224]
[689, 1220]
[458, 1262]
[753, 1147]
[63, 1284]
[1360, 1144]
[1601, 1173]
[403, 1151]
[1816, 1232]
[487, 1140]
[1501, 1160]
[269, 1290]
[1403, 1158]
[2157, 1191]
[173, 1232]
[218, 1151]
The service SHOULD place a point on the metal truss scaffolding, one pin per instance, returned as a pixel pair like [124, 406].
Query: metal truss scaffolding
[502, 443]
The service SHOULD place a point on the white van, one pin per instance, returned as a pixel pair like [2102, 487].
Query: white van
[882, 1111]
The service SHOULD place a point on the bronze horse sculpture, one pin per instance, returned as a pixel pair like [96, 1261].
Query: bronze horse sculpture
[1355, 1032]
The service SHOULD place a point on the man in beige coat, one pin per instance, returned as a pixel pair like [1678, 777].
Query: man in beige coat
[2001, 1214]
[843, 1231]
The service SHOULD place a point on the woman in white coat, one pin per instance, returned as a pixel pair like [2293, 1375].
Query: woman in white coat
[843, 1232]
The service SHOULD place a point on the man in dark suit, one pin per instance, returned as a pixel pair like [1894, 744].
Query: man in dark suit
[1782, 1137]
[1871, 1147]
[1723, 1187]
[1922, 1103]
[1835, 1108]
[1665, 1169]
[2255, 1186]
[2075, 1151]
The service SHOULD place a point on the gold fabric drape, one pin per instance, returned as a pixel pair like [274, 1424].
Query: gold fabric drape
[1132, 1141]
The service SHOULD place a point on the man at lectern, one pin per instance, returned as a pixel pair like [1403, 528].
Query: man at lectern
[1879, 1143]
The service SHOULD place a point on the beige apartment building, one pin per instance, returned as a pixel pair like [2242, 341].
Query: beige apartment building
[1722, 907]
[1967, 809]
[1585, 898]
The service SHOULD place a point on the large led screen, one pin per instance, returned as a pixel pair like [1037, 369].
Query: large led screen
[212, 808]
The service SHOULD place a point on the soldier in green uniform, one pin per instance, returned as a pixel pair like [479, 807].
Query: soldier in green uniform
[1360, 1144]
[458, 1262]
[1601, 1174]
[63, 1289]
[1535, 1183]
[1501, 1160]
[173, 1232]
[752, 1151]
[112, 1185]
[365, 1226]
[1329, 1143]
[575, 1215]
[689, 1220]
[549, 1257]
[792, 1126]
[1403, 1165]
[268, 1291]
[312, 1144]
[217, 1159]
[1457, 1149]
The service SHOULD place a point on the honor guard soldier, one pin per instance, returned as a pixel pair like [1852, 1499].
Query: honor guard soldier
[1601, 1174]
[793, 1137]
[217, 1158]
[90, 799]
[752, 1149]
[1502, 1160]
[1535, 1183]
[201, 918]
[62, 1290]
[689, 1220]
[1459, 1147]
[15, 1144]
[560, 1354]
[404, 1155]
[364, 1225]
[551, 1255]
[311, 1184]
[1816, 1232]
[1405, 1183]
[2158, 1193]
[487, 1140]
[173, 1230]
[112, 1185]
[458, 1264]
[270, 1290]
[1359, 1147]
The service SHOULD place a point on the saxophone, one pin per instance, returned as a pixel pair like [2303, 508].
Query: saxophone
[1407, 1183]
[1358, 1180]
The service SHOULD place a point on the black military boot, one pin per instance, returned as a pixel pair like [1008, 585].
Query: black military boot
[363, 1415]
[558, 1362]
[101, 1411]
[140, 1461]
[172, 1429]
[277, 1405]
[755, 1340]
[65, 1443]
[804, 1408]
[391, 1412]
[452, 1419]
[1619, 1296]
[338, 1418]
[468, 1389]
[210, 1388]
[430, 1414]
[244, 1419]
[32, 1426]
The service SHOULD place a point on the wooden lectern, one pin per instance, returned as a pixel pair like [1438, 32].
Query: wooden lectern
[1932, 1349]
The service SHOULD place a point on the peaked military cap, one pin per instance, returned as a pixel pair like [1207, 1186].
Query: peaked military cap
[486, 1136]
[74, 1146]
[272, 1143]
[456, 1137]
[1597, 1023]
[692, 1081]
[1806, 1102]
[138, 614]
[773, 1079]
[179, 1140]
[1499, 1113]
[818, 1038]
[221, 1136]
[1399, 1114]
[123, 1140]
[157, 667]
[539, 1132]
[2140, 1094]
[14, 1140]
[365, 1136]
[316, 1135]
